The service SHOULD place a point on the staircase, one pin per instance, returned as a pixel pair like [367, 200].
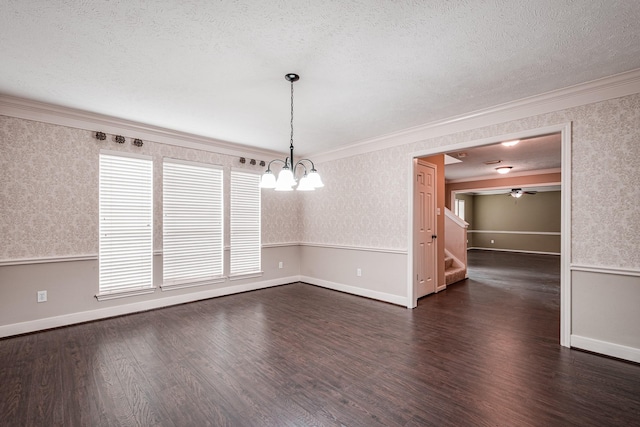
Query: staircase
[455, 248]
[453, 272]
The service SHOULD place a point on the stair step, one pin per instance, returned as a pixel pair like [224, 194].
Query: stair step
[448, 263]
[454, 274]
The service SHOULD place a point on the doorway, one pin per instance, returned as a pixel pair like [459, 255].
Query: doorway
[565, 279]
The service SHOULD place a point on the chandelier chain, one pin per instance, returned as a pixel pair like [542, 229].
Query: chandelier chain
[291, 141]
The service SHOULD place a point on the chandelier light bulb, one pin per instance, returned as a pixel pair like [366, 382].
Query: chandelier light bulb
[268, 180]
[305, 184]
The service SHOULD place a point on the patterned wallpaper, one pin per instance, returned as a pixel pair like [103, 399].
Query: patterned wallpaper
[49, 190]
[49, 182]
[365, 202]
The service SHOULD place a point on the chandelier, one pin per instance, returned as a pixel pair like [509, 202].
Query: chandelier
[310, 179]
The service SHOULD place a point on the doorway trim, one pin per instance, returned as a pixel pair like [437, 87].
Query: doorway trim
[565, 225]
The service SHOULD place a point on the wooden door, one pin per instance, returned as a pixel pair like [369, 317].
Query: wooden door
[424, 217]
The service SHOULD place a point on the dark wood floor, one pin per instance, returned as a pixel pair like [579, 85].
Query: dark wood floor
[484, 352]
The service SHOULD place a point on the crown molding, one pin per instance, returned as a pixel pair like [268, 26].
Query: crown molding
[615, 86]
[74, 118]
[611, 87]
[505, 176]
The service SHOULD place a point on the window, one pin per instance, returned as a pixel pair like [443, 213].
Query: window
[245, 223]
[192, 251]
[126, 225]
[459, 208]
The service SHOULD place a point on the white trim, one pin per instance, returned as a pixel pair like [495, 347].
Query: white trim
[610, 87]
[71, 117]
[125, 294]
[45, 260]
[192, 163]
[192, 284]
[356, 248]
[412, 301]
[607, 348]
[353, 290]
[514, 250]
[565, 237]
[541, 233]
[615, 86]
[244, 276]
[94, 257]
[455, 218]
[103, 313]
[279, 245]
[511, 175]
[606, 270]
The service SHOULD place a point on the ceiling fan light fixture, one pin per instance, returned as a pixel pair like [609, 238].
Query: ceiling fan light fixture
[510, 143]
[504, 169]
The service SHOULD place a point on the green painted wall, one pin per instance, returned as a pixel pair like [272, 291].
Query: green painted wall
[530, 213]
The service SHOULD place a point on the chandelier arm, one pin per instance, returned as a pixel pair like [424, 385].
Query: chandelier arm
[299, 163]
[275, 160]
[313, 167]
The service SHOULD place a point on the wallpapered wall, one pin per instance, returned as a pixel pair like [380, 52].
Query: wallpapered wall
[49, 190]
[367, 203]
[363, 203]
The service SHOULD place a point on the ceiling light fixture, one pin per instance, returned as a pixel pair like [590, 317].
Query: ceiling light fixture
[504, 169]
[510, 143]
[287, 176]
[516, 193]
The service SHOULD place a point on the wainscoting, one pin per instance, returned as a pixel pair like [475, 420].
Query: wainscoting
[605, 314]
[72, 284]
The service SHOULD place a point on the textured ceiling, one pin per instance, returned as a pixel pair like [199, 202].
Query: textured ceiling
[529, 155]
[216, 68]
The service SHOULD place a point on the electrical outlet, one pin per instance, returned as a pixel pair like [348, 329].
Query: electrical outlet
[492, 241]
[42, 296]
[281, 264]
[358, 272]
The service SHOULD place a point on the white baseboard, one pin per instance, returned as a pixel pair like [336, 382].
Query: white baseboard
[103, 313]
[381, 296]
[515, 250]
[607, 348]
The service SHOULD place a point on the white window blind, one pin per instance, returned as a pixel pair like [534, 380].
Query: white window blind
[245, 223]
[192, 223]
[126, 223]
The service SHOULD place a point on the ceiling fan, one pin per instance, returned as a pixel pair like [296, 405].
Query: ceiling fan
[517, 192]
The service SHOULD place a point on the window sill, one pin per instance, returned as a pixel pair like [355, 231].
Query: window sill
[191, 284]
[243, 276]
[124, 294]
